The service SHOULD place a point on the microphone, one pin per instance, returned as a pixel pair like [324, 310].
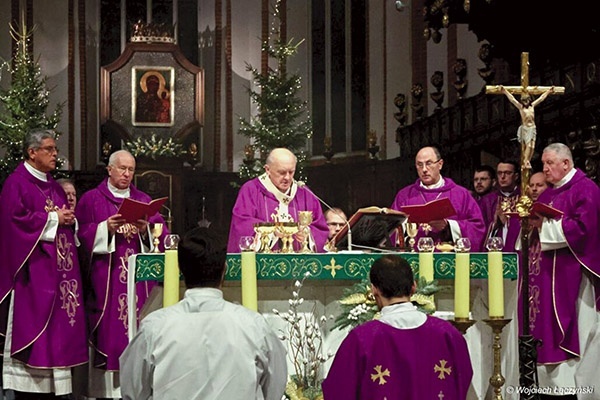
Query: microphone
[303, 184]
[169, 220]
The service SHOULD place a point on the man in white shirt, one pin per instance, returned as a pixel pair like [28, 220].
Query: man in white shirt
[204, 347]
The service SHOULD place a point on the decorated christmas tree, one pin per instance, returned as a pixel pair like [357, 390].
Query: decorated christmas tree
[23, 105]
[282, 118]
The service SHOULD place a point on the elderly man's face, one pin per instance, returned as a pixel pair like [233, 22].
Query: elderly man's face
[44, 157]
[121, 172]
[428, 166]
[71, 194]
[281, 173]
[555, 168]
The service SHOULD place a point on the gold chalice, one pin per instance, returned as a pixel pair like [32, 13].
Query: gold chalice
[287, 230]
[156, 230]
[412, 228]
[305, 218]
[263, 231]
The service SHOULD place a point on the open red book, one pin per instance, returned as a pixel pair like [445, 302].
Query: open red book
[371, 226]
[545, 210]
[432, 211]
[132, 210]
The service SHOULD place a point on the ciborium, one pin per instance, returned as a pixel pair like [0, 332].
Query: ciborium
[287, 230]
[156, 230]
[263, 232]
[412, 228]
[305, 218]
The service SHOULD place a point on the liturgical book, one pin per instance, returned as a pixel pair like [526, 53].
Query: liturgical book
[371, 227]
[544, 210]
[132, 210]
[432, 211]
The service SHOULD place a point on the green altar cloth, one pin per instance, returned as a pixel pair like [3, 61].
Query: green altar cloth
[328, 266]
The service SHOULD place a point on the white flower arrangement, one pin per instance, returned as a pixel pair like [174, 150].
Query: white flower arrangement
[154, 147]
[304, 334]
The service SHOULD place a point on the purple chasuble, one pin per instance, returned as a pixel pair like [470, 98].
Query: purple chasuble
[256, 204]
[107, 302]
[377, 361]
[488, 205]
[468, 215]
[49, 329]
[555, 275]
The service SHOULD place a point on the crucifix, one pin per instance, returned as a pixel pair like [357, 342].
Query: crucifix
[526, 105]
[526, 136]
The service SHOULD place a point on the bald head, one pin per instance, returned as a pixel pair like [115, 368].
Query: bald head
[429, 164]
[280, 168]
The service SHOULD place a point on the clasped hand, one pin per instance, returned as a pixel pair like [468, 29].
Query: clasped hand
[66, 216]
[114, 222]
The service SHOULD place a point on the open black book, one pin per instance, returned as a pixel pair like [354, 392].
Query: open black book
[371, 227]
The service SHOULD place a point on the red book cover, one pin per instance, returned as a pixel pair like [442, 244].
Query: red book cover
[432, 211]
[545, 210]
[132, 210]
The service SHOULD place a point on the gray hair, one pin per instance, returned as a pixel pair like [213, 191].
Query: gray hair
[561, 150]
[113, 157]
[34, 139]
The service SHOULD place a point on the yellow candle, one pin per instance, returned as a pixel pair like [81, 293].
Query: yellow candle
[249, 289]
[426, 265]
[462, 286]
[495, 284]
[171, 279]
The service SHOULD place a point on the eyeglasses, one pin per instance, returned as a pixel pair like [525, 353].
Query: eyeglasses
[49, 149]
[123, 169]
[427, 164]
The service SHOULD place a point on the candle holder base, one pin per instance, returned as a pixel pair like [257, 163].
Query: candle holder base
[462, 324]
[497, 380]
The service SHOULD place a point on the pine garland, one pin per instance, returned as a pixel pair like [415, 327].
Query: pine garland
[281, 119]
[23, 106]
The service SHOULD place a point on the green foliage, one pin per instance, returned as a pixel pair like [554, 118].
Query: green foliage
[23, 106]
[282, 118]
[154, 147]
[359, 306]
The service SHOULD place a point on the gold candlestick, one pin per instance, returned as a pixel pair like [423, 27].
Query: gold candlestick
[462, 324]
[497, 380]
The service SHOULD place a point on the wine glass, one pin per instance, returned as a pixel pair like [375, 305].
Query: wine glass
[495, 243]
[463, 245]
[171, 241]
[246, 243]
[425, 245]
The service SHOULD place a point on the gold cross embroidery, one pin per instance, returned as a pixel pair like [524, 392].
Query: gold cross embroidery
[441, 395]
[380, 375]
[426, 228]
[333, 267]
[442, 369]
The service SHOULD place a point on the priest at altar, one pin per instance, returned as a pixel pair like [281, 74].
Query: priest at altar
[276, 197]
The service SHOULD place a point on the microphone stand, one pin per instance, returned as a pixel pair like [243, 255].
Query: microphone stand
[349, 235]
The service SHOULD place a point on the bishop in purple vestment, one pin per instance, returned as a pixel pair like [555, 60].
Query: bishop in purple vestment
[275, 196]
[568, 261]
[107, 242]
[40, 271]
[430, 186]
[405, 354]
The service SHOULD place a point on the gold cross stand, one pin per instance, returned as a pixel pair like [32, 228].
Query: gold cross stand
[526, 135]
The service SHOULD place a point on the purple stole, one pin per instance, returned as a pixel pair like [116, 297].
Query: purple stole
[256, 204]
[107, 302]
[468, 215]
[49, 328]
[378, 361]
[555, 275]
